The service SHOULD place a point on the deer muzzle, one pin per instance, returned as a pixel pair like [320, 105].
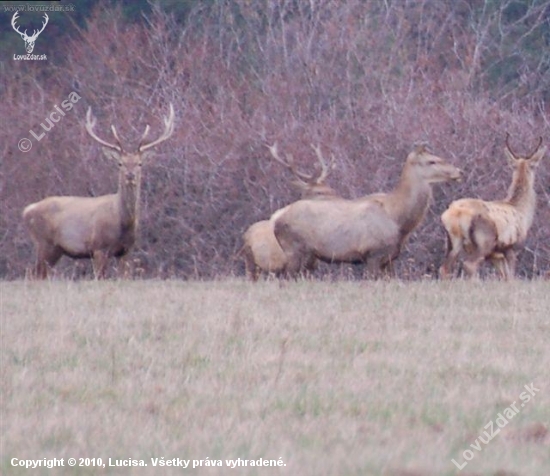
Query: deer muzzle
[131, 177]
[456, 174]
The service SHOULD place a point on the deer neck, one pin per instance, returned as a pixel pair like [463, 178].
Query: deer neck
[408, 202]
[522, 196]
[128, 204]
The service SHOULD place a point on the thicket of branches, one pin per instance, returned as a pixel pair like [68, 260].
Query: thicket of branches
[365, 80]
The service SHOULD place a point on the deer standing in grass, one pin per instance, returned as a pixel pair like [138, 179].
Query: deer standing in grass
[369, 230]
[93, 227]
[482, 230]
[261, 250]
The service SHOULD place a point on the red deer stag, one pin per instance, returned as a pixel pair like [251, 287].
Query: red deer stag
[481, 230]
[261, 250]
[93, 227]
[371, 229]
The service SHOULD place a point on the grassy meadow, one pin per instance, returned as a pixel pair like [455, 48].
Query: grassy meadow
[336, 378]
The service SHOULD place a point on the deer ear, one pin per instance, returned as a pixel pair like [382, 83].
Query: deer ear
[510, 156]
[535, 159]
[111, 154]
[420, 148]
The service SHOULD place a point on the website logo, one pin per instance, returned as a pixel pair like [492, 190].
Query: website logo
[29, 40]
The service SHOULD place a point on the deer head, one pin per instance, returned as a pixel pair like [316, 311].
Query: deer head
[129, 163]
[532, 159]
[29, 40]
[429, 167]
[524, 167]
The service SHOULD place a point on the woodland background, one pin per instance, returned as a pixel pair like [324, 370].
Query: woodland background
[364, 79]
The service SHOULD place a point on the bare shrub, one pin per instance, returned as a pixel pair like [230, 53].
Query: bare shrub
[363, 79]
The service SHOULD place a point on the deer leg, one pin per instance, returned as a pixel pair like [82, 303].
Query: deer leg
[472, 262]
[387, 268]
[453, 250]
[299, 261]
[47, 257]
[380, 266]
[375, 265]
[386, 260]
[100, 259]
[295, 249]
[251, 270]
[311, 265]
[483, 236]
[471, 267]
[41, 269]
[510, 260]
[254, 273]
[498, 260]
[372, 268]
[125, 267]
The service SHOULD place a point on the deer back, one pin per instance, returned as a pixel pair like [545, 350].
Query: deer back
[338, 229]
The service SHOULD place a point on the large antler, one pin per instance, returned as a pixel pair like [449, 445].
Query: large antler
[168, 130]
[289, 164]
[90, 124]
[325, 168]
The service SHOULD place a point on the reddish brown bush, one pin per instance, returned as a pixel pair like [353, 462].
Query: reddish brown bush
[366, 80]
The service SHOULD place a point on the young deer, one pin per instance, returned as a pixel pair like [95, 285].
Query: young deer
[93, 227]
[371, 229]
[261, 250]
[482, 230]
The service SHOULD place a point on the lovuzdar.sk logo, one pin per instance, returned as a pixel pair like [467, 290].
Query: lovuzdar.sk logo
[29, 40]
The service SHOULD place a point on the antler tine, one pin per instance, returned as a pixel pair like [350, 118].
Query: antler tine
[273, 149]
[90, 124]
[168, 130]
[536, 148]
[325, 168]
[299, 175]
[115, 134]
[143, 136]
[289, 163]
[508, 146]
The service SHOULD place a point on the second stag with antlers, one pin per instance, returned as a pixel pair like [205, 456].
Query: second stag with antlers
[369, 230]
[482, 230]
[261, 251]
[93, 227]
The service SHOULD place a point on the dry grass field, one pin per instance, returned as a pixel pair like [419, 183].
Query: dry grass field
[335, 378]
